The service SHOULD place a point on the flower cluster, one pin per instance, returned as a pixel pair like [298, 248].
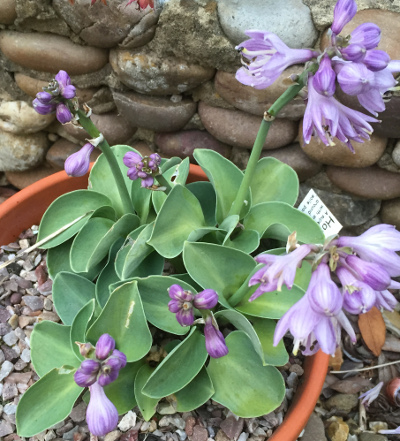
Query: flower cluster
[56, 98]
[182, 304]
[144, 168]
[352, 62]
[100, 368]
[364, 265]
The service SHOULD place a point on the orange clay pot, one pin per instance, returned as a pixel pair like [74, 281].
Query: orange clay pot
[26, 208]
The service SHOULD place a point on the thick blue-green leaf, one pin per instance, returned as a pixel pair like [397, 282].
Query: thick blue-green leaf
[246, 241]
[226, 179]
[47, 402]
[274, 181]
[147, 405]
[204, 192]
[50, 347]
[168, 163]
[70, 293]
[180, 214]
[79, 327]
[66, 209]
[123, 318]
[242, 383]
[179, 368]
[263, 216]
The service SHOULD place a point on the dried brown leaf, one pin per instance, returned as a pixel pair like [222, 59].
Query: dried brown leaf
[373, 330]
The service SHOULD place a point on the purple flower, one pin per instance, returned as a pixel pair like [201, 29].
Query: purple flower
[325, 77]
[78, 163]
[215, 342]
[64, 82]
[366, 35]
[278, 270]
[42, 108]
[268, 57]
[368, 397]
[371, 273]
[344, 11]
[142, 168]
[181, 304]
[120, 356]
[353, 52]
[63, 114]
[105, 344]
[355, 78]
[101, 414]
[86, 375]
[385, 299]
[376, 60]
[109, 371]
[395, 431]
[206, 299]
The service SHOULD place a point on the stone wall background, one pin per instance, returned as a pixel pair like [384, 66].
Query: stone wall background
[163, 81]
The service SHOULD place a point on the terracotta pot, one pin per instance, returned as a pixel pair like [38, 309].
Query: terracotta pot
[26, 208]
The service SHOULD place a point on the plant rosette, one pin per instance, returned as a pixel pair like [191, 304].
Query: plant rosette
[239, 255]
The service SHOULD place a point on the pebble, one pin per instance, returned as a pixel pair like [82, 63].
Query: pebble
[6, 368]
[369, 182]
[26, 355]
[78, 413]
[36, 51]
[232, 427]
[21, 152]
[344, 402]
[146, 73]
[368, 436]
[290, 20]
[189, 424]
[10, 391]
[5, 428]
[199, 434]
[257, 101]
[314, 430]
[112, 436]
[2, 357]
[227, 126]
[10, 339]
[337, 430]
[35, 303]
[182, 144]
[7, 13]
[10, 409]
[154, 113]
[4, 315]
[70, 434]
[127, 422]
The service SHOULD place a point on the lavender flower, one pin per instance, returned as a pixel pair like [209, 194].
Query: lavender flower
[144, 168]
[105, 344]
[269, 57]
[368, 397]
[215, 341]
[78, 163]
[344, 11]
[371, 273]
[86, 375]
[366, 35]
[101, 414]
[395, 431]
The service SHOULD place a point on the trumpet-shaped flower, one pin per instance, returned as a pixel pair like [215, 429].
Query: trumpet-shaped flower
[268, 56]
[371, 395]
[366, 35]
[78, 163]
[371, 273]
[344, 11]
[215, 341]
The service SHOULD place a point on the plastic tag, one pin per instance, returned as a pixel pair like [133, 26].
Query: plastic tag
[317, 210]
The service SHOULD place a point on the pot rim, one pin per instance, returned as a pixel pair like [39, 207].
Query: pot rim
[26, 208]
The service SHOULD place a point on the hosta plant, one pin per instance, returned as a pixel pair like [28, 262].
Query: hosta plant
[170, 289]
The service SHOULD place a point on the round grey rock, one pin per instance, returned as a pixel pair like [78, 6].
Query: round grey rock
[290, 20]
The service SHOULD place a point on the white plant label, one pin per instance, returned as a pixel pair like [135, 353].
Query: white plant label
[317, 210]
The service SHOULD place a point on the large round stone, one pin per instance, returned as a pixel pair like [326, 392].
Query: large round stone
[18, 153]
[22, 179]
[7, 12]
[239, 129]
[39, 52]
[146, 73]
[390, 212]
[154, 113]
[257, 101]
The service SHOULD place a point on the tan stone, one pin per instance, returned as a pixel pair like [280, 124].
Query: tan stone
[256, 101]
[7, 12]
[366, 153]
[390, 212]
[38, 51]
[239, 129]
[25, 178]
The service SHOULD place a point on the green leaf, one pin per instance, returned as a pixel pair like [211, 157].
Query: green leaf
[154, 293]
[47, 402]
[121, 391]
[274, 181]
[50, 347]
[220, 268]
[179, 368]
[226, 179]
[79, 327]
[146, 404]
[262, 216]
[180, 214]
[141, 198]
[274, 355]
[68, 208]
[242, 383]
[123, 318]
[101, 178]
[195, 394]
[204, 192]
[246, 241]
[70, 293]
[168, 163]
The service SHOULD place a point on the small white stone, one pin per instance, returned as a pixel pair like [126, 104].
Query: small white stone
[50, 435]
[243, 436]
[17, 349]
[10, 409]
[145, 426]
[26, 355]
[6, 369]
[127, 422]
[182, 434]
[10, 339]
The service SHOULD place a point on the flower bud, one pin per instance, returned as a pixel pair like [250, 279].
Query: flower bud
[109, 371]
[353, 52]
[63, 114]
[325, 78]
[206, 299]
[355, 78]
[366, 35]
[43, 109]
[215, 342]
[86, 375]
[105, 344]
[372, 274]
[344, 11]
[376, 60]
[78, 163]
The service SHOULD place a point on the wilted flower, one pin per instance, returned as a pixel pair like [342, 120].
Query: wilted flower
[368, 397]
[142, 167]
[215, 341]
[78, 163]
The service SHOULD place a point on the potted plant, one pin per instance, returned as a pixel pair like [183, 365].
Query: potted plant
[197, 273]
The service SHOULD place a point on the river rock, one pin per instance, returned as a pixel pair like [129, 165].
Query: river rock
[28, 177]
[314, 430]
[19, 152]
[239, 129]
[204, 42]
[370, 182]
[206, 92]
[38, 51]
[257, 101]
[183, 143]
[20, 118]
[147, 73]
[366, 153]
[348, 210]
[390, 212]
[345, 402]
[154, 113]
[291, 20]
[61, 149]
[7, 12]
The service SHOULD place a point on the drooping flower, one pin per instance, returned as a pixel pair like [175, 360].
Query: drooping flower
[371, 273]
[142, 167]
[78, 163]
[344, 11]
[215, 341]
[101, 414]
[368, 397]
[268, 56]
